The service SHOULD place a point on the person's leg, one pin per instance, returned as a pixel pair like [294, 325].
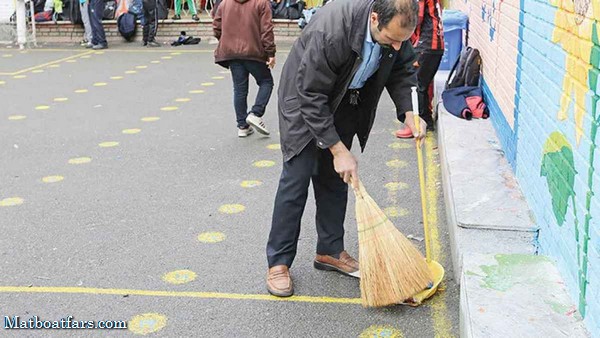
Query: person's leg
[262, 74]
[192, 7]
[152, 21]
[239, 74]
[178, 4]
[96, 13]
[428, 66]
[290, 201]
[85, 17]
[146, 27]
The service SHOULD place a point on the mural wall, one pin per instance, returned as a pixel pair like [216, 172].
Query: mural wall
[541, 65]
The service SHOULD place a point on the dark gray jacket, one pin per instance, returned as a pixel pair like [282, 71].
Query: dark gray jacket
[318, 71]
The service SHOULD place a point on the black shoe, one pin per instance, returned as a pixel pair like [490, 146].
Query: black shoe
[153, 44]
[176, 17]
[145, 43]
[195, 17]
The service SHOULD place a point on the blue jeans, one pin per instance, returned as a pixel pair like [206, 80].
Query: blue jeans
[240, 69]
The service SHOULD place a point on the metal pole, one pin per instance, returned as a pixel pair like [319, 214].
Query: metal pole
[21, 24]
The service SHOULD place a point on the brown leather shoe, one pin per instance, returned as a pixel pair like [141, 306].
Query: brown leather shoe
[279, 281]
[345, 265]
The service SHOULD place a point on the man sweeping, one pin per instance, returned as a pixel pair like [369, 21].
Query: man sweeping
[329, 90]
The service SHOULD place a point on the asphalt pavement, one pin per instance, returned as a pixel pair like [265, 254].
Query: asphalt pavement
[125, 194]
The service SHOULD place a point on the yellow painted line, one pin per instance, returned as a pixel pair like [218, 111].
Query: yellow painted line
[439, 310]
[47, 64]
[111, 50]
[176, 294]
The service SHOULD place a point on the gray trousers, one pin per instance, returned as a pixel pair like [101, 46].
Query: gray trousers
[85, 17]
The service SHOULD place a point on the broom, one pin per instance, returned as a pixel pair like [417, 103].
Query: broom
[391, 268]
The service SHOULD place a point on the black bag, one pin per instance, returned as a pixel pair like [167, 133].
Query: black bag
[288, 9]
[126, 25]
[110, 7]
[162, 9]
[468, 68]
[462, 95]
[72, 11]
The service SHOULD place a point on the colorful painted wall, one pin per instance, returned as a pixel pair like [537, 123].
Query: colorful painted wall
[541, 65]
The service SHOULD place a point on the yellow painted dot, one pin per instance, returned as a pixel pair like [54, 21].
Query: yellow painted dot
[131, 131]
[42, 107]
[196, 91]
[54, 66]
[217, 77]
[378, 331]
[225, 72]
[170, 108]
[155, 61]
[38, 71]
[150, 119]
[231, 208]
[263, 164]
[166, 57]
[400, 145]
[179, 276]
[2, 82]
[207, 84]
[71, 61]
[11, 201]
[274, 146]
[116, 77]
[250, 184]
[141, 67]
[108, 144]
[100, 84]
[396, 164]
[52, 179]
[393, 212]
[80, 160]
[60, 99]
[99, 53]
[81, 91]
[183, 99]
[211, 237]
[19, 76]
[130, 71]
[6, 55]
[147, 323]
[176, 53]
[17, 117]
[395, 186]
[85, 57]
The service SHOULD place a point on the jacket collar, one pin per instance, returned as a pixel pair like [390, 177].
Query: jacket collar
[362, 10]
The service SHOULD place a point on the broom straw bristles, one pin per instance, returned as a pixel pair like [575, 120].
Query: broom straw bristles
[391, 268]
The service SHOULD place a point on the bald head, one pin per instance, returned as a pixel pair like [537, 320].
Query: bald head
[405, 11]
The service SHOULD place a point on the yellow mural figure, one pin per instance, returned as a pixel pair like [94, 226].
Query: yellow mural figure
[573, 31]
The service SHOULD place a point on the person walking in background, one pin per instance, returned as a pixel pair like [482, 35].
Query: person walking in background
[247, 47]
[150, 23]
[428, 41]
[191, 6]
[87, 27]
[96, 12]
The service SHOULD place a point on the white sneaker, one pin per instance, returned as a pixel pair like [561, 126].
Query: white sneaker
[245, 132]
[258, 123]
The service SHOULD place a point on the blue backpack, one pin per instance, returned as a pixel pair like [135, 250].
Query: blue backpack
[127, 26]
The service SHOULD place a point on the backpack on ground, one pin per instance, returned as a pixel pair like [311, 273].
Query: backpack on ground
[126, 25]
[468, 69]
[462, 95]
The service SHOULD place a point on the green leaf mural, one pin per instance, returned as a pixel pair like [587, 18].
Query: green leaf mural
[559, 169]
